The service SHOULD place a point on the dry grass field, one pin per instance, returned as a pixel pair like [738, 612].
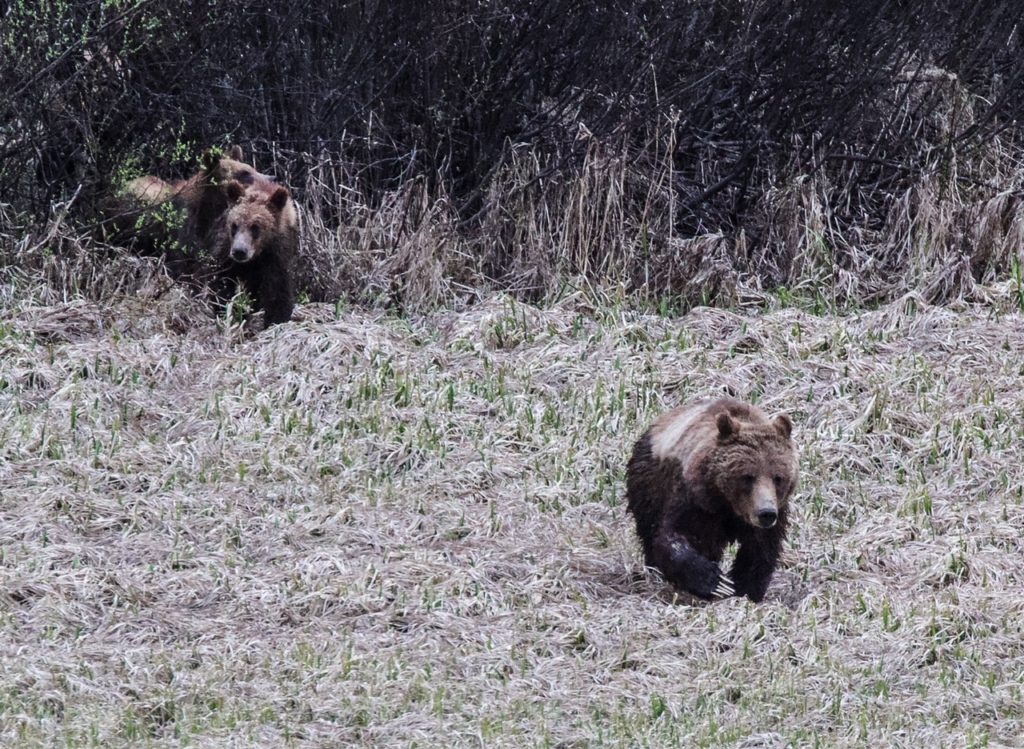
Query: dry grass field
[370, 530]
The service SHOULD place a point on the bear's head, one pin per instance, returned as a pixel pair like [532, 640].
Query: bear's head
[255, 217]
[754, 467]
[222, 168]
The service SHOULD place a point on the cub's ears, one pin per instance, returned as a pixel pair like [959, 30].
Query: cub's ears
[279, 199]
[727, 426]
[210, 159]
[212, 156]
[783, 425]
[234, 191]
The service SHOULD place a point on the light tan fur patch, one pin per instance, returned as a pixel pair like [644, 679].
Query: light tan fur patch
[670, 429]
[150, 190]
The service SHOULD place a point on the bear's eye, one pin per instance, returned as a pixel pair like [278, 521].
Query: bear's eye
[748, 478]
[245, 178]
[778, 480]
[234, 228]
[255, 231]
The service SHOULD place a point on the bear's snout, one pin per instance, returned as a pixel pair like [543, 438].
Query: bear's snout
[763, 509]
[240, 252]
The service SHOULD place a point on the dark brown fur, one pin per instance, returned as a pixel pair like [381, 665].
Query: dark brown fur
[708, 475]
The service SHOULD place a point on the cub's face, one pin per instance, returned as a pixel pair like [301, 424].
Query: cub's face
[755, 468]
[252, 219]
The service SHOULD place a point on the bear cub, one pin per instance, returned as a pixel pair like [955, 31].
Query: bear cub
[254, 243]
[705, 475]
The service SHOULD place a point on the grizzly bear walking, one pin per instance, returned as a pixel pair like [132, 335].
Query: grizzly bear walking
[706, 475]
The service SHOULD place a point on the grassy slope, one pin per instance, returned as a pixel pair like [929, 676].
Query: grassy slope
[363, 530]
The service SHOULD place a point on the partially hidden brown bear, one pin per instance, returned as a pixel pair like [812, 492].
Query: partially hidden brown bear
[186, 222]
[202, 198]
[708, 474]
[254, 243]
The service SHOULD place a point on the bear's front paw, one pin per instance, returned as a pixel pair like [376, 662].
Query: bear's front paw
[725, 587]
[709, 582]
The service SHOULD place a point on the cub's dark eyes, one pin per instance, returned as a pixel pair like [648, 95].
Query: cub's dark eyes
[245, 178]
[234, 228]
[748, 479]
[255, 231]
[778, 479]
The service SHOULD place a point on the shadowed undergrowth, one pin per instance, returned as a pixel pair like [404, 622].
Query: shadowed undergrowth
[947, 230]
[841, 154]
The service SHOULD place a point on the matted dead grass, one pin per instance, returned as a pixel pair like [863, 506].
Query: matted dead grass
[361, 530]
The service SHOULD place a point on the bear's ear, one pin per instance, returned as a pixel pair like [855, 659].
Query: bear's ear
[727, 426]
[235, 152]
[783, 425]
[279, 199]
[234, 191]
[210, 160]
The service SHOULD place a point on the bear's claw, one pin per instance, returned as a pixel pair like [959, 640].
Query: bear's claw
[725, 588]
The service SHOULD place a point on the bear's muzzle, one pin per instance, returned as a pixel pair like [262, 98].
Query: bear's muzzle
[767, 518]
[765, 505]
[241, 251]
